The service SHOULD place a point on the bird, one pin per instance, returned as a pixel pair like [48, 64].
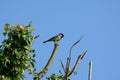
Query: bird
[55, 38]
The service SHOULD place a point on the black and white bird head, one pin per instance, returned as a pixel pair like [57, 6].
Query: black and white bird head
[61, 35]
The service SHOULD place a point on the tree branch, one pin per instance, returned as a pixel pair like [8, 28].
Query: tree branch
[45, 69]
[62, 66]
[90, 71]
[35, 37]
[67, 70]
[74, 45]
[80, 57]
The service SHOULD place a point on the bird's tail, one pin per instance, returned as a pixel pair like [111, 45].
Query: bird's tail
[45, 41]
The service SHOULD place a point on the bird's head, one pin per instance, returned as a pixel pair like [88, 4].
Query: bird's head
[61, 35]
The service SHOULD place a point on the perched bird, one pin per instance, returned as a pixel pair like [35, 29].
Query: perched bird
[55, 38]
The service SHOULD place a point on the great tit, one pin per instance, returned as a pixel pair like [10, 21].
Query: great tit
[55, 38]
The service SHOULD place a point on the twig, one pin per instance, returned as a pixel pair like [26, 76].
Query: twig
[45, 69]
[73, 46]
[35, 37]
[90, 71]
[67, 69]
[62, 65]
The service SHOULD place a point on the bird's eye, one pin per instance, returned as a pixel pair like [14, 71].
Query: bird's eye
[60, 35]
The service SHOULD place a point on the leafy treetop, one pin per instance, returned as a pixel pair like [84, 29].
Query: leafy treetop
[16, 53]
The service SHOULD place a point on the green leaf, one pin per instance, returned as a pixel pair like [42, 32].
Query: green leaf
[33, 55]
[32, 29]
[53, 76]
[32, 64]
[1, 53]
[0, 44]
[4, 33]
[59, 77]
[33, 60]
[27, 47]
[18, 62]
[6, 59]
[7, 24]
[7, 27]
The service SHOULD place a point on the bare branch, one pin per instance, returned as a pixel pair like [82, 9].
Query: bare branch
[45, 69]
[80, 57]
[60, 72]
[67, 69]
[35, 37]
[62, 65]
[74, 45]
[90, 71]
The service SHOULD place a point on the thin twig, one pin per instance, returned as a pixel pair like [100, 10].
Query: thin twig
[35, 37]
[45, 69]
[67, 69]
[62, 65]
[74, 45]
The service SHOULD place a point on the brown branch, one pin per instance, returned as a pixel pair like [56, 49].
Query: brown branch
[80, 57]
[74, 45]
[45, 69]
[67, 69]
[62, 65]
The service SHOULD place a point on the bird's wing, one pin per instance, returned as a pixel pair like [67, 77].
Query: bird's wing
[51, 39]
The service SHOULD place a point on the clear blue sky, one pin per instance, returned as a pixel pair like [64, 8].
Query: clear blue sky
[97, 20]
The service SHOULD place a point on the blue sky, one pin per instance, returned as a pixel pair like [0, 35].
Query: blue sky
[97, 20]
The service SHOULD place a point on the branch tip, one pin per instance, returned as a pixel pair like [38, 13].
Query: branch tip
[57, 44]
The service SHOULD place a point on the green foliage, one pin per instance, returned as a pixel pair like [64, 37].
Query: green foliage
[16, 53]
[55, 77]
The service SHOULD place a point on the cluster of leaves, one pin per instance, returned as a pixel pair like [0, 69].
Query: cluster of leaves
[16, 53]
[55, 77]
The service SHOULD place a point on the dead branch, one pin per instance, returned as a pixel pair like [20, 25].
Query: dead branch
[90, 71]
[45, 69]
[67, 70]
[74, 45]
[80, 57]
[35, 37]
[62, 65]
